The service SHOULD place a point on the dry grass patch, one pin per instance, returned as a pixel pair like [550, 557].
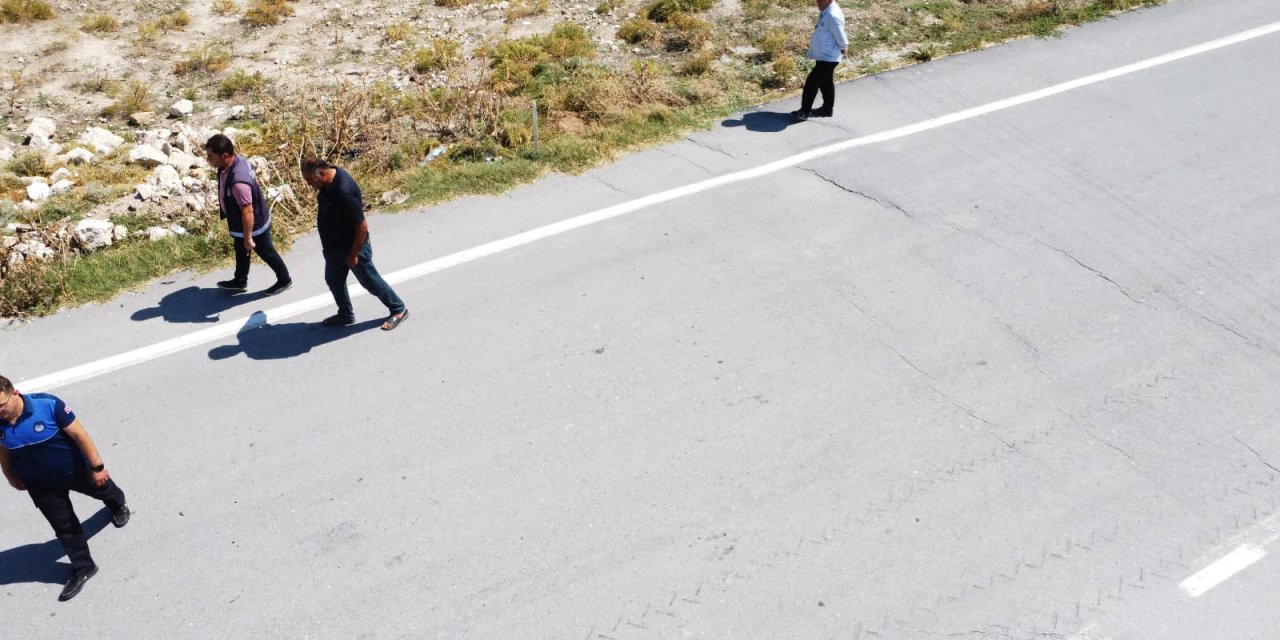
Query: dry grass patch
[440, 54]
[401, 31]
[266, 13]
[224, 8]
[637, 30]
[241, 81]
[100, 23]
[517, 9]
[206, 58]
[13, 11]
[131, 98]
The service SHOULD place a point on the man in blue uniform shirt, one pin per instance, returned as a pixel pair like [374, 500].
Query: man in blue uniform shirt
[45, 451]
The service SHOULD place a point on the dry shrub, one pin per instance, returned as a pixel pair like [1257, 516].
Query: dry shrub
[241, 81]
[401, 31]
[436, 56]
[637, 30]
[645, 84]
[662, 10]
[453, 4]
[176, 21]
[517, 9]
[100, 23]
[1032, 9]
[206, 58]
[782, 73]
[132, 98]
[698, 63]
[688, 32]
[266, 13]
[224, 7]
[774, 43]
[24, 10]
[26, 287]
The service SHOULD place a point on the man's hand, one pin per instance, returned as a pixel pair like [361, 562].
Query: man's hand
[248, 244]
[16, 483]
[99, 477]
[353, 260]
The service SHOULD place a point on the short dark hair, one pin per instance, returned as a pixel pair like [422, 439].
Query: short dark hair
[219, 143]
[312, 165]
[5, 385]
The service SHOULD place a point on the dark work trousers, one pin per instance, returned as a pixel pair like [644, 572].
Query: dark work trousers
[821, 78]
[335, 275]
[55, 504]
[265, 250]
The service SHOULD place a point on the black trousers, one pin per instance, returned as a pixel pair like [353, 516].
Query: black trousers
[55, 504]
[265, 250]
[821, 78]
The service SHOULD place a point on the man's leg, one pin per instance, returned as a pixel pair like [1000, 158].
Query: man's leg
[810, 89]
[369, 278]
[335, 275]
[241, 276]
[55, 504]
[827, 85]
[110, 494]
[267, 251]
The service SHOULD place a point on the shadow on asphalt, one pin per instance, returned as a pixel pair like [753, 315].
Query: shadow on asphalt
[39, 562]
[194, 304]
[261, 341]
[762, 121]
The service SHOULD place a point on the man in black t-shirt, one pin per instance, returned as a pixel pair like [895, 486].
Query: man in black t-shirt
[344, 239]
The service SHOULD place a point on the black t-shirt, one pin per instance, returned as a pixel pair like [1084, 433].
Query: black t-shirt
[340, 211]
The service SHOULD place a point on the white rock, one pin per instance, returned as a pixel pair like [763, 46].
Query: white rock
[100, 140]
[178, 229]
[182, 109]
[39, 142]
[166, 177]
[61, 173]
[236, 111]
[144, 192]
[78, 155]
[62, 186]
[120, 232]
[158, 233]
[42, 127]
[94, 234]
[181, 160]
[6, 153]
[147, 156]
[281, 192]
[260, 165]
[194, 203]
[8, 241]
[38, 191]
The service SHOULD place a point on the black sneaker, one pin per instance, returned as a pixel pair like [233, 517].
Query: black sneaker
[279, 287]
[820, 113]
[234, 286]
[121, 517]
[76, 583]
[800, 115]
[338, 321]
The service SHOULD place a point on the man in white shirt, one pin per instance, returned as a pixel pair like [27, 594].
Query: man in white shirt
[826, 48]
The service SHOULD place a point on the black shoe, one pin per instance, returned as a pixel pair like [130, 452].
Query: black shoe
[76, 583]
[338, 321]
[120, 517]
[820, 113]
[234, 286]
[278, 287]
[800, 115]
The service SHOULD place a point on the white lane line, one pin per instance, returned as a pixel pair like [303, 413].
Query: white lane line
[231, 327]
[1250, 547]
[1225, 567]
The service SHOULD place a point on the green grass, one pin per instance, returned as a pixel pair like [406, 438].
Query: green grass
[101, 276]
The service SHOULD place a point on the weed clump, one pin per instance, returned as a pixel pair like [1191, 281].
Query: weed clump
[637, 30]
[223, 7]
[132, 98]
[241, 81]
[437, 56]
[206, 58]
[267, 13]
[662, 10]
[13, 11]
[100, 23]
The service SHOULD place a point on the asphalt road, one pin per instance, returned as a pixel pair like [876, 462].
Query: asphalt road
[1008, 377]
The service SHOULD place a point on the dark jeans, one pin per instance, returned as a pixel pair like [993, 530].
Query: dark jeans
[335, 275]
[821, 78]
[55, 504]
[265, 250]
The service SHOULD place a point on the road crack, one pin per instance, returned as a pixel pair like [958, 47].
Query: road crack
[1095, 272]
[888, 204]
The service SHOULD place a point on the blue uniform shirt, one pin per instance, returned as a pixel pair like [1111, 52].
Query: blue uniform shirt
[42, 454]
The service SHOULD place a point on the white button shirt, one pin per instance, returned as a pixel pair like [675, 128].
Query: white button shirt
[828, 36]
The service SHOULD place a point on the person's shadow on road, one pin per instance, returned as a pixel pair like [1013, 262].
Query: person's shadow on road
[194, 304]
[762, 121]
[261, 341]
[39, 562]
